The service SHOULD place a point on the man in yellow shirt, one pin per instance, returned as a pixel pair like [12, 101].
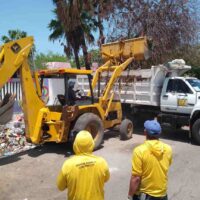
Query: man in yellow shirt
[150, 165]
[84, 174]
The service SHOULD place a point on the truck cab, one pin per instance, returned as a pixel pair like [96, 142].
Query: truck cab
[180, 104]
[180, 94]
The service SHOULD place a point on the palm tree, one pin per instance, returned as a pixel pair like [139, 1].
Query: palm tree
[76, 25]
[13, 35]
[16, 35]
[58, 34]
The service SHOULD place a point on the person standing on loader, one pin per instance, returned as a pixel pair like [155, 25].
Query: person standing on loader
[150, 165]
[84, 174]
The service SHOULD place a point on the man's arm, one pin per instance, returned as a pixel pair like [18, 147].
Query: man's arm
[134, 184]
[136, 172]
[106, 171]
[107, 174]
[61, 181]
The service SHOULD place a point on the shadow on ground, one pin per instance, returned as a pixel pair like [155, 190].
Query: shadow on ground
[11, 159]
[176, 135]
[168, 133]
[180, 135]
[63, 148]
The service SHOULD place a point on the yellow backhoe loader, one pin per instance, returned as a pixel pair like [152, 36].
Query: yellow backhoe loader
[60, 122]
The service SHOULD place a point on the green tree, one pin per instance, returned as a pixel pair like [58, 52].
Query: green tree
[70, 25]
[41, 59]
[76, 20]
[172, 25]
[16, 35]
[94, 57]
[192, 58]
[13, 35]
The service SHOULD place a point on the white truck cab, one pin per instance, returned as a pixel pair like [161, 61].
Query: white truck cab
[180, 94]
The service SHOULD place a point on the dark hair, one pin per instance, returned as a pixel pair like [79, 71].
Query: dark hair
[152, 137]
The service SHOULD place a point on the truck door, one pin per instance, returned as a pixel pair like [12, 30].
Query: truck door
[168, 96]
[177, 97]
[186, 98]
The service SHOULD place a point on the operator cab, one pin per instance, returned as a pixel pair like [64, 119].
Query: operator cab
[63, 88]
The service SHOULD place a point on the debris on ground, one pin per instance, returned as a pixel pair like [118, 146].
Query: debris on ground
[12, 137]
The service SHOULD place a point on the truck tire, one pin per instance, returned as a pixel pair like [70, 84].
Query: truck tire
[93, 124]
[126, 129]
[196, 131]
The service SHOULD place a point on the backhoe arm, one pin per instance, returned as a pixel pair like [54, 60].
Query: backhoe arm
[12, 55]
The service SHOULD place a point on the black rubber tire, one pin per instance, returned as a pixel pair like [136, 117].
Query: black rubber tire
[93, 124]
[196, 131]
[126, 129]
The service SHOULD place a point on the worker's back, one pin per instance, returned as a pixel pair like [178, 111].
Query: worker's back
[86, 177]
[84, 174]
[155, 158]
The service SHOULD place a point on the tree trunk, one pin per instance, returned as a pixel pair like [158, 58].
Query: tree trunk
[85, 54]
[100, 26]
[77, 59]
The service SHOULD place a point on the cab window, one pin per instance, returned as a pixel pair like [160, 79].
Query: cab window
[179, 86]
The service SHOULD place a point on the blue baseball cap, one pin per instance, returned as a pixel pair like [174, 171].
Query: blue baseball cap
[152, 127]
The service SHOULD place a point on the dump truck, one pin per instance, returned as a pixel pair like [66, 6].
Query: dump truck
[59, 121]
[160, 92]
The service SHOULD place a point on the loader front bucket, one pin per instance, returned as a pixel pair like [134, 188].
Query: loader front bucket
[6, 108]
[136, 47]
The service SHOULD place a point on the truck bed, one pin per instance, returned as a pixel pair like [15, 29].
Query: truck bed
[140, 86]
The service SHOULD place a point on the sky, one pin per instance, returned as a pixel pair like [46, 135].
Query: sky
[31, 16]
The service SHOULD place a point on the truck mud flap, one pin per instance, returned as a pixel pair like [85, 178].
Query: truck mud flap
[6, 108]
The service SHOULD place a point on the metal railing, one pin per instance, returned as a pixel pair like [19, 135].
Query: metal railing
[13, 87]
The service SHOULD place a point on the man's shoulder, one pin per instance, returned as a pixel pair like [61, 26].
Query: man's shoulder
[140, 148]
[69, 161]
[167, 147]
[100, 159]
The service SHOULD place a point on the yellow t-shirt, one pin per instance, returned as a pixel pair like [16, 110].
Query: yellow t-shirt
[84, 176]
[151, 162]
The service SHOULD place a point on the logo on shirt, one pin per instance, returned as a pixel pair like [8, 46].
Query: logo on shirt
[86, 164]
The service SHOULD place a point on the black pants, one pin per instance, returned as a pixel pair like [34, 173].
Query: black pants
[148, 197]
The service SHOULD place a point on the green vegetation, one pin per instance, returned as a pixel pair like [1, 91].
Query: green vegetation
[41, 59]
[13, 35]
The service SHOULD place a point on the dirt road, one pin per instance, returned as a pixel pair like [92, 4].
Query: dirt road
[32, 175]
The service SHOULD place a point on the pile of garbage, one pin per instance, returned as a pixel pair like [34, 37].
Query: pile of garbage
[12, 137]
